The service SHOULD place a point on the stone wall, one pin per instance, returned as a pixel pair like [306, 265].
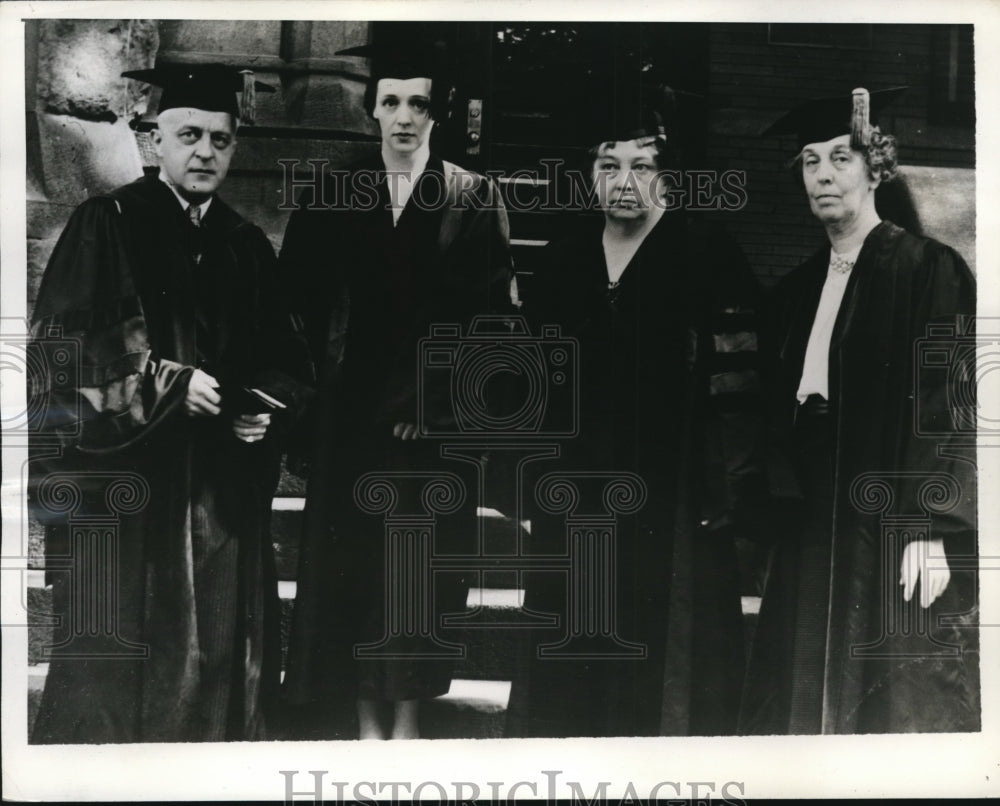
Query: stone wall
[78, 140]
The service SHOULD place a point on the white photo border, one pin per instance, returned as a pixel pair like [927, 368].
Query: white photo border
[814, 766]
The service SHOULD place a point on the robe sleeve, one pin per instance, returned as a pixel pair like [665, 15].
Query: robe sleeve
[313, 281]
[945, 407]
[94, 383]
[284, 368]
[315, 292]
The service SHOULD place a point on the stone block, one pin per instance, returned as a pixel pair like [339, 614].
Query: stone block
[39, 251]
[328, 102]
[82, 158]
[36, 685]
[80, 64]
[36, 544]
[40, 624]
[46, 219]
[256, 187]
[314, 39]
[935, 202]
[291, 484]
[226, 40]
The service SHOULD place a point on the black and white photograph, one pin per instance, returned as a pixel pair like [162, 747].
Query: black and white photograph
[598, 400]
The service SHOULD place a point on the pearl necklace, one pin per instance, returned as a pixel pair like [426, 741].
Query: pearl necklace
[839, 264]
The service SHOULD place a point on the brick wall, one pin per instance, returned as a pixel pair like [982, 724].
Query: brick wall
[754, 82]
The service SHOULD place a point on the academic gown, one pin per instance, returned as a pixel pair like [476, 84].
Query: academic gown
[368, 292]
[192, 654]
[669, 392]
[837, 649]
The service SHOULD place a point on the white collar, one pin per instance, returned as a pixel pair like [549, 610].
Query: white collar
[185, 204]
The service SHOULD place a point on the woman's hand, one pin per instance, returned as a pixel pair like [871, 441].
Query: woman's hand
[924, 560]
[251, 427]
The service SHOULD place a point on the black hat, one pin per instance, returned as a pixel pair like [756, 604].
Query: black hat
[823, 119]
[212, 87]
[639, 110]
[405, 57]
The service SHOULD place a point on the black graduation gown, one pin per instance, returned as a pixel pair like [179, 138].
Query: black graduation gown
[193, 654]
[668, 391]
[845, 654]
[368, 292]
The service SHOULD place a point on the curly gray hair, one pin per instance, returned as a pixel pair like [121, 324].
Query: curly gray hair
[880, 158]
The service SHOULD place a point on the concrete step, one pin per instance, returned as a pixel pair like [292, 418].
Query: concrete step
[500, 537]
[476, 703]
[36, 684]
[491, 645]
[489, 648]
[472, 709]
[491, 639]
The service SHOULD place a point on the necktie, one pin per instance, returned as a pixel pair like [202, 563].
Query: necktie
[194, 216]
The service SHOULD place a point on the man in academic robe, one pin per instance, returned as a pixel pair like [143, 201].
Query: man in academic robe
[169, 433]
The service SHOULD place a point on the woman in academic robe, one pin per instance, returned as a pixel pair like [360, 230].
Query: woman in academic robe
[868, 618]
[379, 254]
[646, 634]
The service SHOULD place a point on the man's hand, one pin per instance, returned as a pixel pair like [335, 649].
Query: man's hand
[405, 431]
[251, 427]
[924, 560]
[202, 398]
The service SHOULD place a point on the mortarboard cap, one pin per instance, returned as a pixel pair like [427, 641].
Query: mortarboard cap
[823, 119]
[407, 57]
[641, 110]
[212, 87]
[627, 96]
[403, 59]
